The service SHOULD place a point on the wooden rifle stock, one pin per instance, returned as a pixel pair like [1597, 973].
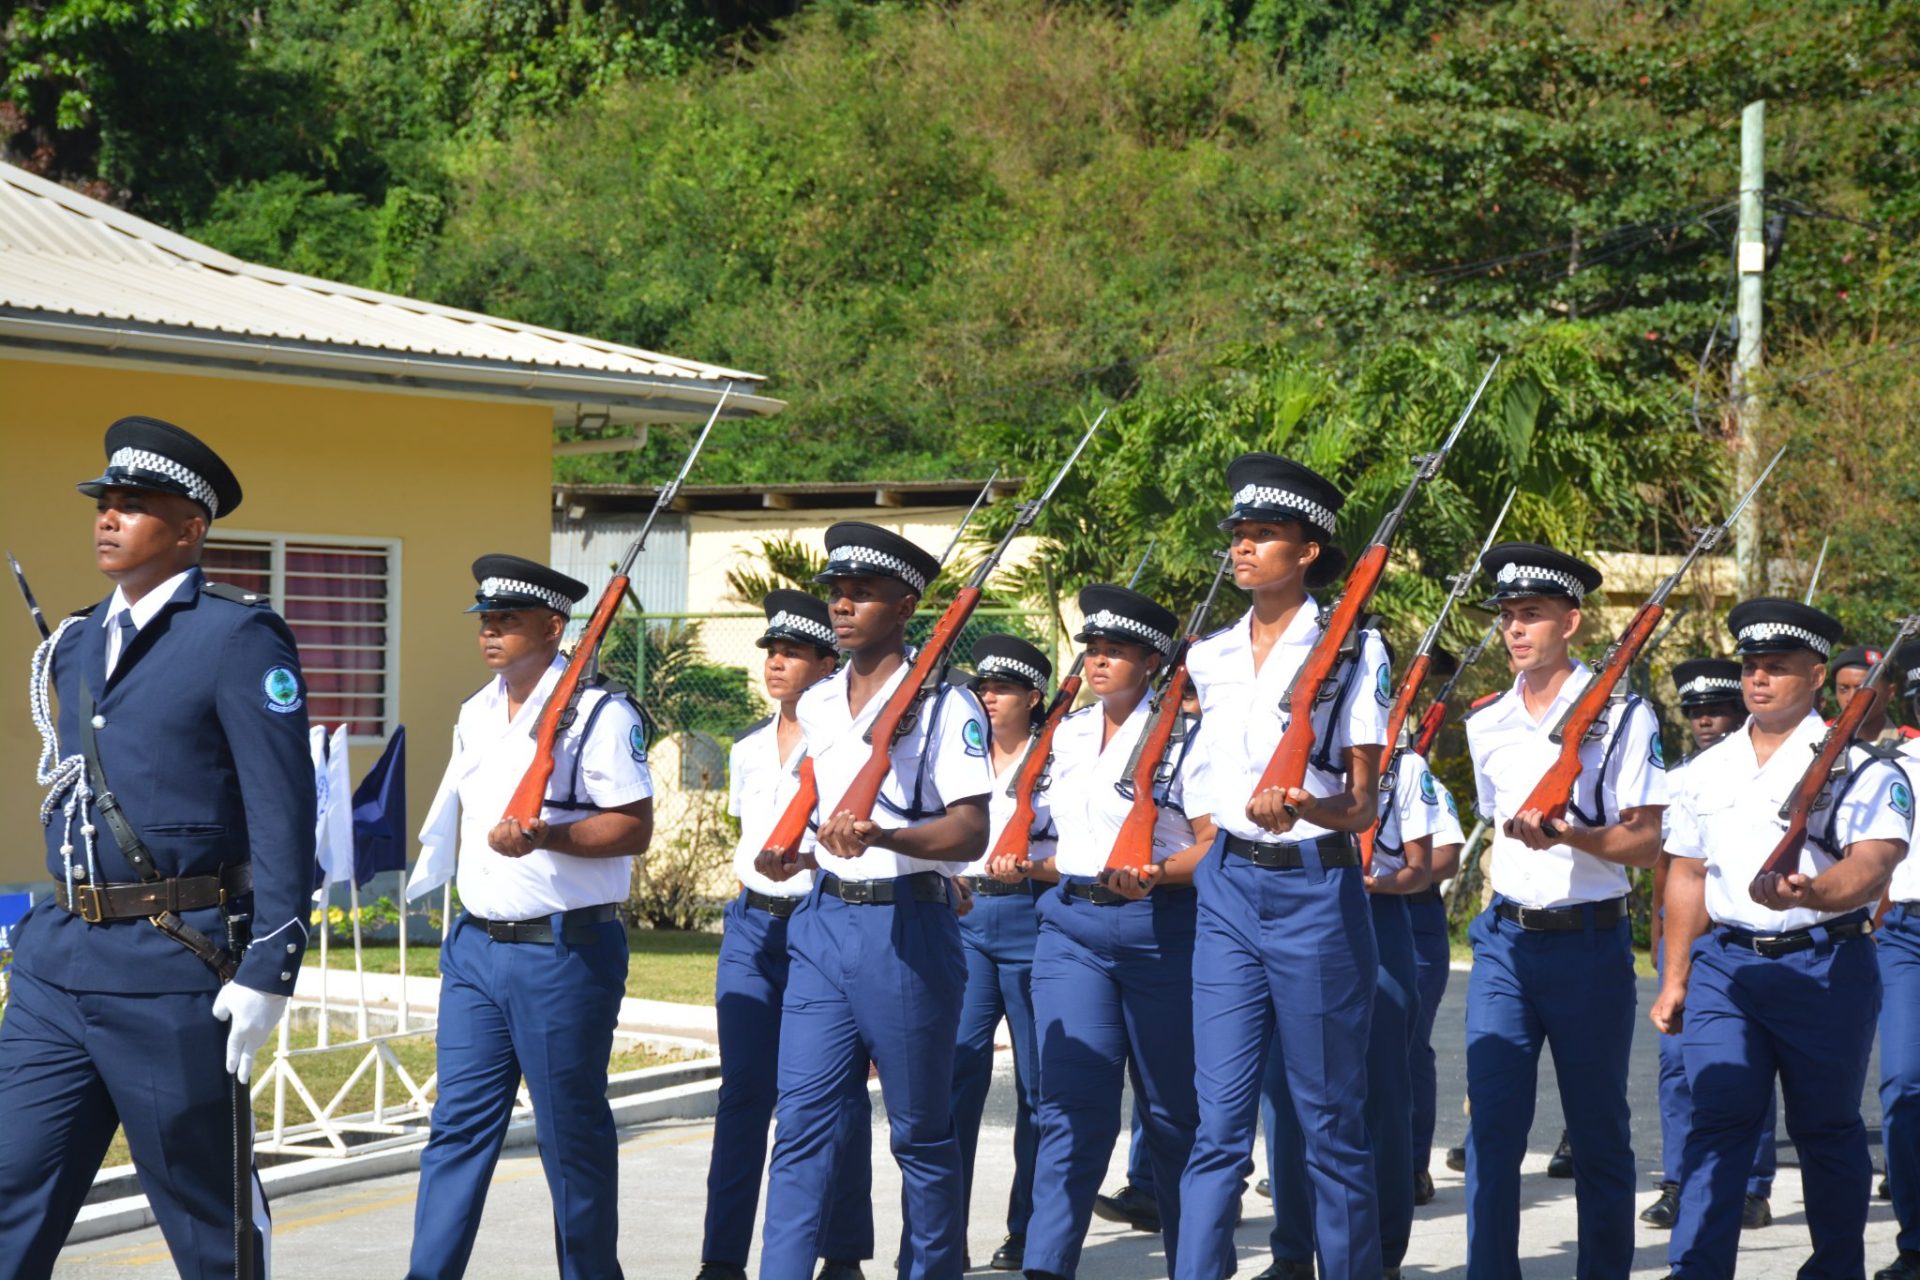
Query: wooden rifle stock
[1432, 721]
[1016, 838]
[1133, 847]
[1396, 721]
[531, 795]
[787, 833]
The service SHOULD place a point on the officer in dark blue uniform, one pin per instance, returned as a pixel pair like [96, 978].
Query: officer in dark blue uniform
[184, 701]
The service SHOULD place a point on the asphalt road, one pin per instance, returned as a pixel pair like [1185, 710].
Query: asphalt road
[364, 1229]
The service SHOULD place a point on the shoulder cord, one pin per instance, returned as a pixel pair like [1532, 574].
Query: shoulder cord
[1599, 817]
[64, 778]
[915, 811]
[1837, 796]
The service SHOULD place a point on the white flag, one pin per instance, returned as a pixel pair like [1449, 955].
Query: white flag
[440, 834]
[317, 746]
[339, 861]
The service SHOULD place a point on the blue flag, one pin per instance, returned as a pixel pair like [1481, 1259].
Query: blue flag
[380, 813]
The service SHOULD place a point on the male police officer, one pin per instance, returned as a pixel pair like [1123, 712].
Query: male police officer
[1776, 972]
[532, 975]
[876, 967]
[763, 775]
[1848, 671]
[1552, 955]
[182, 700]
[1899, 957]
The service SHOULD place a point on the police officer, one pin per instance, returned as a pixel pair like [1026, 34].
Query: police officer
[1552, 954]
[1899, 958]
[1417, 817]
[1433, 961]
[1770, 972]
[762, 778]
[184, 700]
[877, 972]
[1709, 697]
[1849, 670]
[533, 971]
[1284, 944]
[1010, 678]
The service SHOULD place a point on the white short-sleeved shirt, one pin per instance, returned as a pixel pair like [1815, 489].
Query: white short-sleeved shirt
[1905, 886]
[1000, 807]
[1421, 806]
[1511, 751]
[1089, 811]
[1240, 712]
[491, 756]
[760, 785]
[943, 757]
[1726, 809]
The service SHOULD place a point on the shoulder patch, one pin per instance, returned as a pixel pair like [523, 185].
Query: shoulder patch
[1427, 791]
[1383, 686]
[235, 595]
[637, 743]
[1657, 753]
[281, 685]
[1900, 797]
[973, 737]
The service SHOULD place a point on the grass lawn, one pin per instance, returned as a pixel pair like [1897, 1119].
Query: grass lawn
[666, 965]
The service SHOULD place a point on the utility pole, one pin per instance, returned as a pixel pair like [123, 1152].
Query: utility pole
[1751, 263]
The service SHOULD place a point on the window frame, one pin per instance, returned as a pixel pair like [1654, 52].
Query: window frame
[276, 545]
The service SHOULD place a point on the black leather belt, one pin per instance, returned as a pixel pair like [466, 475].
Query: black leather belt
[921, 886]
[1336, 850]
[1430, 894]
[779, 908]
[1563, 919]
[1772, 945]
[1098, 894]
[988, 887]
[98, 903]
[577, 926]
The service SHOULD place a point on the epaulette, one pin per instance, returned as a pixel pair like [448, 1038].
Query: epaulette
[235, 595]
[957, 678]
[757, 725]
[1217, 631]
[1484, 701]
[86, 612]
[1080, 711]
[1879, 752]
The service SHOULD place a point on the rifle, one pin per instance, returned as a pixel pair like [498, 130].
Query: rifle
[1133, 846]
[986, 491]
[1016, 838]
[1555, 789]
[1340, 627]
[531, 795]
[26, 593]
[1830, 760]
[1416, 675]
[1435, 718]
[1643, 674]
[1814, 581]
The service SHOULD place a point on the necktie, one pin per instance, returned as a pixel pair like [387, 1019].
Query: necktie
[126, 632]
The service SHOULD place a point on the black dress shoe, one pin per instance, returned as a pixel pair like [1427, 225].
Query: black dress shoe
[1288, 1269]
[1560, 1164]
[721, 1271]
[1131, 1206]
[1264, 1187]
[1391, 1273]
[1663, 1211]
[1904, 1267]
[840, 1269]
[1422, 1187]
[1457, 1159]
[1009, 1255]
[1756, 1212]
[1884, 1190]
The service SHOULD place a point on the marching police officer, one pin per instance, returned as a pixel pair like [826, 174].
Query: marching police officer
[1552, 954]
[877, 972]
[1848, 671]
[1709, 697]
[533, 971]
[1284, 942]
[183, 701]
[1433, 962]
[763, 777]
[1771, 972]
[1899, 957]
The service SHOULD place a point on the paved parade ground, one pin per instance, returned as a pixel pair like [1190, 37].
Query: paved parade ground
[362, 1229]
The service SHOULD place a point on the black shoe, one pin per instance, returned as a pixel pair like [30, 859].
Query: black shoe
[1663, 1211]
[1009, 1255]
[721, 1271]
[1264, 1187]
[1884, 1191]
[1904, 1267]
[1391, 1273]
[837, 1269]
[1288, 1269]
[1457, 1159]
[1131, 1206]
[1422, 1187]
[1755, 1213]
[1560, 1164]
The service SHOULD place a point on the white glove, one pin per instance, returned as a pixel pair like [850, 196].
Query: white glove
[254, 1015]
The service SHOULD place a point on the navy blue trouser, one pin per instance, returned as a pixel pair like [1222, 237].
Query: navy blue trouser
[76, 1064]
[875, 984]
[1571, 992]
[1899, 956]
[1676, 1114]
[1809, 1017]
[748, 987]
[1139, 1165]
[1110, 984]
[1389, 1088]
[998, 935]
[1433, 961]
[545, 1013]
[1286, 955]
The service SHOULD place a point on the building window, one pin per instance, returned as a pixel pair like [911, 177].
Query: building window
[341, 598]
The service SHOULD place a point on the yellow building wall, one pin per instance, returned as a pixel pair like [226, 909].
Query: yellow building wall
[450, 479]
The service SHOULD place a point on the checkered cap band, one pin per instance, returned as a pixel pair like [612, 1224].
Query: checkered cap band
[882, 560]
[811, 628]
[1260, 495]
[1755, 632]
[994, 665]
[1913, 675]
[1108, 620]
[491, 587]
[158, 463]
[1701, 685]
[1511, 572]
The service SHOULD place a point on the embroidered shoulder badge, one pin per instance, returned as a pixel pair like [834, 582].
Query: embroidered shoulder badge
[1901, 797]
[282, 688]
[974, 738]
[1427, 793]
[637, 743]
[1383, 686]
[1657, 753]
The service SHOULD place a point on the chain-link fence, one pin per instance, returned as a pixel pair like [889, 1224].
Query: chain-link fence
[698, 678]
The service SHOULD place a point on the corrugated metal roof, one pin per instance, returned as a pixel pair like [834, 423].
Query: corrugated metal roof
[799, 495]
[67, 258]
